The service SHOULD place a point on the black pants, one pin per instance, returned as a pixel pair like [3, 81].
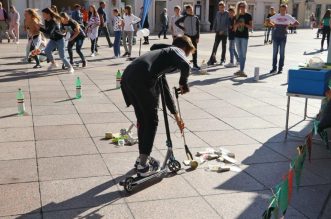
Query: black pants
[325, 34]
[79, 43]
[164, 31]
[218, 39]
[145, 103]
[94, 47]
[146, 39]
[104, 29]
[194, 55]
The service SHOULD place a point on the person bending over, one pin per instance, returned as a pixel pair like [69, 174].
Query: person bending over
[141, 89]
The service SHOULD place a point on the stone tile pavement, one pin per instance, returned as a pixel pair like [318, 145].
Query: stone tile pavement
[54, 162]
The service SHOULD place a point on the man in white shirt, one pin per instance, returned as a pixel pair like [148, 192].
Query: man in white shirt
[176, 31]
[280, 22]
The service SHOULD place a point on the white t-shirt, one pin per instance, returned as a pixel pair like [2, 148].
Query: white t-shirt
[129, 20]
[278, 19]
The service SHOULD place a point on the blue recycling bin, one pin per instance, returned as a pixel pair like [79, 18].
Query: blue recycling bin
[308, 81]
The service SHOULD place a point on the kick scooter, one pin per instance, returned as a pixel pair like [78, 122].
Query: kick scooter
[170, 164]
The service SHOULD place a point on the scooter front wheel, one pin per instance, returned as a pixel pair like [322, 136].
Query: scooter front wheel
[128, 184]
[174, 166]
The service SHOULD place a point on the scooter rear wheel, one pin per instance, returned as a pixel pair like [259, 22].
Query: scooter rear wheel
[128, 187]
[174, 166]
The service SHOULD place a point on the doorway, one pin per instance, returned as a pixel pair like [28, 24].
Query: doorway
[159, 6]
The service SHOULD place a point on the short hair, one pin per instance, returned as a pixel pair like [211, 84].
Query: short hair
[188, 7]
[184, 42]
[221, 3]
[115, 10]
[283, 5]
[77, 6]
[231, 9]
[101, 3]
[177, 7]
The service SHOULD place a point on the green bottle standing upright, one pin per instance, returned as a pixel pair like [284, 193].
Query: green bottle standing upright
[118, 79]
[78, 88]
[20, 102]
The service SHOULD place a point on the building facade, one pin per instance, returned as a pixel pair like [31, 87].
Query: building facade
[205, 9]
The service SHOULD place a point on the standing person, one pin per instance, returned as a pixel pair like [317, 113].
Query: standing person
[140, 88]
[269, 27]
[92, 29]
[312, 20]
[280, 22]
[220, 26]
[128, 21]
[56, 38]
[326, 20]
[164, 23]
[77, 37]
[77, 15]
[14, 24]
[32, 22]
[117, 25]
[176, 31]
[85, 15]
[3, 23]
[243, 24]
[232, 48]
[103, 23]
[191, 29]
[144, 25]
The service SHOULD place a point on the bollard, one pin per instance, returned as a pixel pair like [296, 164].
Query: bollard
[256, 73]
[20, 102]
[78, 88]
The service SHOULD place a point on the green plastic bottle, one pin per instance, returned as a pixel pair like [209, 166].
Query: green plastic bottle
[118, 79]
[78, 88]
[20, 102]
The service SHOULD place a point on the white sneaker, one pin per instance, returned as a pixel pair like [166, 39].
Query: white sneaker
[92, 54]
[52, 66]
[229, 65]
[71, 70]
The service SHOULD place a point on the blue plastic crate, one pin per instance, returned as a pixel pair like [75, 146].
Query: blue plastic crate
[308, 81]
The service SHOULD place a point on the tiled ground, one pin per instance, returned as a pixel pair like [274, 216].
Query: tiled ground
[54, 162]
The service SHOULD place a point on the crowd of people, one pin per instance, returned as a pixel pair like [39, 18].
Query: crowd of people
[58, 31]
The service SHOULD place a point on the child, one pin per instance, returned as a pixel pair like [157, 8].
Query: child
[232, 48]
[129, 20]
[93, 28]
[140, 87]
[77, 37]
[191, 29]
[117, 25]
[31, 25]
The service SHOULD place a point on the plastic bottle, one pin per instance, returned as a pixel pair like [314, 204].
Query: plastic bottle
[20, 102]
[118, 79]
[78, 88]
[256, 73]
[204, 66]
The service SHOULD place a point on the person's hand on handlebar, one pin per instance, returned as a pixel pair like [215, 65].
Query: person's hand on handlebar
[184, 89]
[180, 122]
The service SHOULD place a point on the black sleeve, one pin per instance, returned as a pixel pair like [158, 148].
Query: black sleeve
[168, 97]
[181, 64]
[180, 20]
[49, 28]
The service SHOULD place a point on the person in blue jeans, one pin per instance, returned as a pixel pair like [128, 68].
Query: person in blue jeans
[243, 23]
[117, 25]
[77, 37]
[280, 22]
[56, 38]
[231, 34]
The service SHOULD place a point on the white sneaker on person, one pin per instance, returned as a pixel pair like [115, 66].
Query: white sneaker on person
[92, 54]
[229, 65]
[52, 66]
[71, 70]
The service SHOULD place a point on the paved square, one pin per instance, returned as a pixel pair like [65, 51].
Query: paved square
[54, 162]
